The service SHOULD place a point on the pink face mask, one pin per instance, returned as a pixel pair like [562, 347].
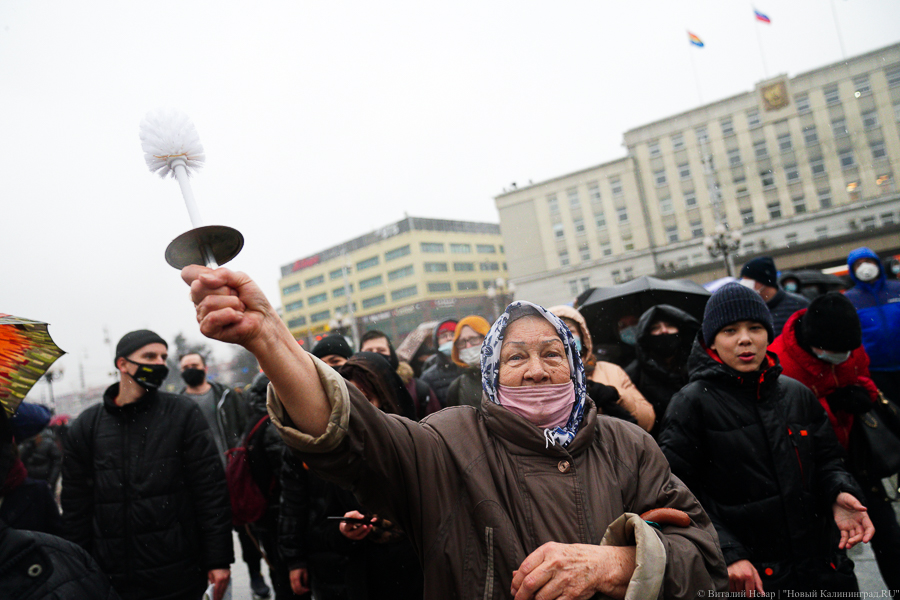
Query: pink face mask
[545, 406]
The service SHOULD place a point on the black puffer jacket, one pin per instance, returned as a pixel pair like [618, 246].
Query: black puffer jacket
[656, 379]
[144, 492]
[43, 458]
[440, 375]
[39, 566]
[758, 452]
[782, 305]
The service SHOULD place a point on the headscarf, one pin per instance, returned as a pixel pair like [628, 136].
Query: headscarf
[478, 324]
[490, 364]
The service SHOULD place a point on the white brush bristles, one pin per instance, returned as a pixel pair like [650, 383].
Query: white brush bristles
[167, 134]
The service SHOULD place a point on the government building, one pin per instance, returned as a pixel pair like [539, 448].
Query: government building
[802, 169]
[395, 278]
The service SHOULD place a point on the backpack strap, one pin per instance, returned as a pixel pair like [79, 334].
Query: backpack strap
[255, 428]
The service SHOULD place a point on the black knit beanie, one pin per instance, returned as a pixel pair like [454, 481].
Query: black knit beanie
[332, 345]
[136, 340]
[831, 323]
[732, 303]
[761, 269]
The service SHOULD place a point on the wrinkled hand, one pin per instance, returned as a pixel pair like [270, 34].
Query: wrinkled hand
[299, 581]
[219, 578]
[574, 572]
[230, 306]
[355, 531]
[853, 521]
[743, 577]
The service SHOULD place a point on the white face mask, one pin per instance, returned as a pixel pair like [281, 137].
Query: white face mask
[748, 283]
[834, 358]
[867, 272]
[471, 356]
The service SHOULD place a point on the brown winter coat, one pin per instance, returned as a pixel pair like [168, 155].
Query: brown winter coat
[477, 490]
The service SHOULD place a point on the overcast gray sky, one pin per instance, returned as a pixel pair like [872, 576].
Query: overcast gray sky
[324, 120]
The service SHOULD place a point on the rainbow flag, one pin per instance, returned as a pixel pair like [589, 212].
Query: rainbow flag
[695, 40]
[761, 17]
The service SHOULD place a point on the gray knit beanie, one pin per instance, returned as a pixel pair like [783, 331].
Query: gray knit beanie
[732, 303]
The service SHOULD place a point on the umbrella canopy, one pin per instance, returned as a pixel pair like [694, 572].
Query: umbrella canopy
[813, 277]
[605, 306]
[26, 352]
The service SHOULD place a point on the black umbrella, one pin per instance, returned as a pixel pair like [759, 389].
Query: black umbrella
[605, 306]
[813, 277]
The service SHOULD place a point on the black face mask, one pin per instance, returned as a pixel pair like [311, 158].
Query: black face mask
[149, 377]
[664, 345]
[193, 377]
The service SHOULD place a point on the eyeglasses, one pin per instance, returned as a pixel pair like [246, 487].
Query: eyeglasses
[469, 341]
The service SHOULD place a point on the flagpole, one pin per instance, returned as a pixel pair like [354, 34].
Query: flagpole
[762, 54]
[837, 27]
[694, 69]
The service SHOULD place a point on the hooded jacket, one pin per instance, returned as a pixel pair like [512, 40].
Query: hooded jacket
[654, 379]
[760, 455]
[878, 306]
[231, 414]
[144, 493]
[782, 305]
[821, 377]
[442, 370]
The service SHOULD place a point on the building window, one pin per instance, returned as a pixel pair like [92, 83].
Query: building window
[727, 127]
[291, 289]
[574, 202]
[435, 267]
[584, 253]
[314, 280]
[486, 249]
[573, 287]
[774, 209]
[558, 231]
[594, 192]
[870, 119]
[742, 192]
[672, 233]
[629, 273]
[463, 266]
[366, 264]
[340, 291]
[868, 222]
[767, 178]
[802, 103]
[653, 147]
[799, 204]
[897, 111]
[747, 216]
[885, 183]
[622, 214]
[297, 322]
[893, 75]
[792, 173]
[861, 83]
[600, 220]
[784, 143]
[753, 119]
[839, 127]
[553, 204]
[790, 238]
[605, 248]
[337, 273]
[585, 283]
[615, 185]
[696, 229]
[489, 266]
[702, 135]
[660, 178]
[760, 150]
[879, 152]
[666, 207]
[404, 293]
[888, 218]
[628, 245]
[320, 316]
[460, 248]
[616, 276]
[684, 171]
[374, 301]
[734, 157]
[690, 199]
[439, 287]
[824, 198]
[396, 253]
[831, 95]
[817, 167]
[563, 258]
[677, 141]
[821, 232]
[401, 273]
[318, 299]
[296, 305]
[579, 226]
[846, 158]
[431, 247]
[370, 282]
[810, 136]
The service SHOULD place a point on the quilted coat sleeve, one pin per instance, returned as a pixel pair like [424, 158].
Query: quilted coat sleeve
[78, 481]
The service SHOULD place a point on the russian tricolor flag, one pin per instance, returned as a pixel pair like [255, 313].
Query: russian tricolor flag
[695, 40]
[761, 17]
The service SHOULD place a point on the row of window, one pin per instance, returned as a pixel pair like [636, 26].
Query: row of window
[594, 196]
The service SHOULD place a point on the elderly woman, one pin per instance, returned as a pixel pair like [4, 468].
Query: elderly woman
[509, 499]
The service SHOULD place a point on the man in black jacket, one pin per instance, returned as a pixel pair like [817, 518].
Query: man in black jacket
[143, 489]
[440, 369]
[761, 276]
[759, 453]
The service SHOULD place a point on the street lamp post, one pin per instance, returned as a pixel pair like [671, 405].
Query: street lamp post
[341, 323]
[501, 292]
[724, 243]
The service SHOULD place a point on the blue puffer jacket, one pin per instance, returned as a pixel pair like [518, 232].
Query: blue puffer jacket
[878, 306]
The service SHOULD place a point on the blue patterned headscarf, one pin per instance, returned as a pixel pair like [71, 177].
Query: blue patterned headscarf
[490, 365]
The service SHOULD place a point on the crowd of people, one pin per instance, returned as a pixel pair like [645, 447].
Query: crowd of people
[493, 460]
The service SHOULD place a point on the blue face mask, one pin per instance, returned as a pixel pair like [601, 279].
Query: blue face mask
[629, 335]
[577, 344]
[790, 287]
[446, 348]
[834, 358]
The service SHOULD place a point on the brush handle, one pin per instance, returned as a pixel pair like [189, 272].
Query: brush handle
[179, 166]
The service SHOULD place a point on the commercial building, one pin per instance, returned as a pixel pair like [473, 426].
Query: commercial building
[803, 167]
[394, 278]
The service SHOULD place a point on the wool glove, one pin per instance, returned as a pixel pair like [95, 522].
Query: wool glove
[853, 399]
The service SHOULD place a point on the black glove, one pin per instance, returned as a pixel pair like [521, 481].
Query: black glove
[853, 399]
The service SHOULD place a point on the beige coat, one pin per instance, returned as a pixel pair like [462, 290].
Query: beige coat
[478, 490]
